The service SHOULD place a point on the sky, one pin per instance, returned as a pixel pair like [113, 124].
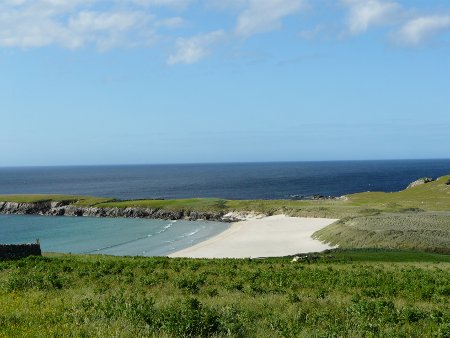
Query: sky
[192, 81]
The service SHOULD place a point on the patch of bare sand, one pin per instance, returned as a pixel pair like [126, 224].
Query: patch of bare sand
[272, 236]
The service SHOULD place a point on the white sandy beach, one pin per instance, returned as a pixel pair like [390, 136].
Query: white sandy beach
[272, 236]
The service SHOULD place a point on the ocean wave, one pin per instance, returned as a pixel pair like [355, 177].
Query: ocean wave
[118, 244]
[193, 232]
[165, 228]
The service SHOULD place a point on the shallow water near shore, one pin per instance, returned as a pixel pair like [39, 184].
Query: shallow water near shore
[111, 236]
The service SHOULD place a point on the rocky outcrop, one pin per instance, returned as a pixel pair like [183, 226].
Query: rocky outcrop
[62, 209]
[420, 181]
[237, 216]
[317, 197]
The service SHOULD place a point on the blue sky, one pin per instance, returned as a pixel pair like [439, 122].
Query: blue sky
[176, 81]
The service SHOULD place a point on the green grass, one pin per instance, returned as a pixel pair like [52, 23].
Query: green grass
[343, 293]
[382, 255]
[69, 199]
[433, 196]
[196, 204]
[408, 230]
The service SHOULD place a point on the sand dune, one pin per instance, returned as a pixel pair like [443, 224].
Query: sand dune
[272, 236]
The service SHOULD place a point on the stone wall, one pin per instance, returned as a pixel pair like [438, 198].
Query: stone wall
[13, 251]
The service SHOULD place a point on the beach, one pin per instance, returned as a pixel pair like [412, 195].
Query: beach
[254, 237]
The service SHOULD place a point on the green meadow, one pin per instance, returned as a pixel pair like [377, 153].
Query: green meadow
[362, 293]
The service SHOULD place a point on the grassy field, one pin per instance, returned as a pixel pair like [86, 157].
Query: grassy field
[345, 293]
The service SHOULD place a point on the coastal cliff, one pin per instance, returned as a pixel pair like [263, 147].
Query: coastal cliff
[66, 209]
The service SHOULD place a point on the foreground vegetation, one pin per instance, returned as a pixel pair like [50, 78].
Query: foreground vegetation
[344, 293]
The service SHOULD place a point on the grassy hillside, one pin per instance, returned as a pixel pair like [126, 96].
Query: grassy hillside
[408, 230]
[347, 293]
[431, 196]
[415, 218]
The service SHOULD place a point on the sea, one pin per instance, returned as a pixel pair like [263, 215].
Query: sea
[108, 236]
[276, 180]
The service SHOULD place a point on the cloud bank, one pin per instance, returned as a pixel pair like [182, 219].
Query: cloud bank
[77, 24]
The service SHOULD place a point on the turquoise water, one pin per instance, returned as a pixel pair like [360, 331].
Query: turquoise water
[111, 236]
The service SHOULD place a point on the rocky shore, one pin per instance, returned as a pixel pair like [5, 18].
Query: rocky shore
[63, 209]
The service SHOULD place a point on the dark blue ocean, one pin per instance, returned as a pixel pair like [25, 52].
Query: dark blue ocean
[232, 180]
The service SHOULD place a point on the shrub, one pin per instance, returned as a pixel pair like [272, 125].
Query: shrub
[191, 319]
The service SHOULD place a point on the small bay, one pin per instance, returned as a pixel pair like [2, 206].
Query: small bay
[111, 236]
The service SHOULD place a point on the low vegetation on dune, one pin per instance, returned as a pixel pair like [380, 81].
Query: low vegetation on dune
[342, 293]
[429, 231]
[416, 218]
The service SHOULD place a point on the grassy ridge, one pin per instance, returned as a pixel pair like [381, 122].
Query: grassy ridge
[347, 293]
[431, 196]
[68, 199]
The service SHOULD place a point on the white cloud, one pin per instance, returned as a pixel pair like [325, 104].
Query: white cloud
[366, 13]
[123, 23]
[107, 30]
[172, 23]
[179, 4]
[419, 30]
[114, 21]
[192, 49]
[74, 23]
[265, 15]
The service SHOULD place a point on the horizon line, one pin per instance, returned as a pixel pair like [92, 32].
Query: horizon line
[218, 163]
